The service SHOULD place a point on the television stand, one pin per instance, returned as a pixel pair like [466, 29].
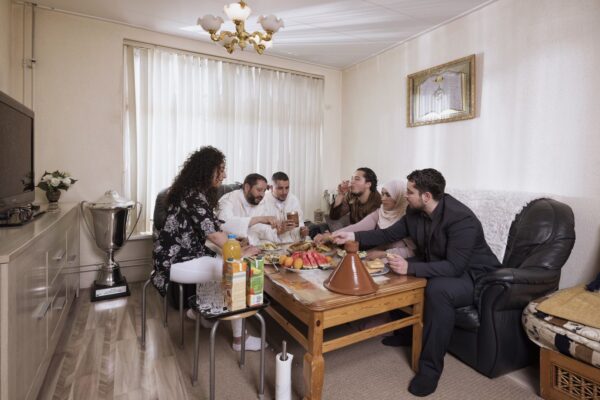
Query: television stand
[18, 216]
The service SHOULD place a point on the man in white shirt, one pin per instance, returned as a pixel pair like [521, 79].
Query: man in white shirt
[243, 211]
[279, 201]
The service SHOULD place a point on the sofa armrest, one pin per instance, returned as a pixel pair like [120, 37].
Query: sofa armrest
[521, 285]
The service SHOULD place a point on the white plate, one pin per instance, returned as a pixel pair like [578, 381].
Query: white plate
[298, 270]
[384, 271]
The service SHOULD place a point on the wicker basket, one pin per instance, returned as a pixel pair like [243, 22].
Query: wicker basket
[564, 378]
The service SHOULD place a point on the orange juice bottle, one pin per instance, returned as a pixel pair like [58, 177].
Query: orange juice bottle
[231, 249]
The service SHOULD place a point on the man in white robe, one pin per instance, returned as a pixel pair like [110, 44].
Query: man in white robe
[244, 213]
[279, 201]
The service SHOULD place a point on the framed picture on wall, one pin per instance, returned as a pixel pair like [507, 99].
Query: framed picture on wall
[444, 93]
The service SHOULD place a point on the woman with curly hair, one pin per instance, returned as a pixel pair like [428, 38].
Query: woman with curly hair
[190, 221]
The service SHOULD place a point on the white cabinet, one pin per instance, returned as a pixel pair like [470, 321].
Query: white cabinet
[38, 281]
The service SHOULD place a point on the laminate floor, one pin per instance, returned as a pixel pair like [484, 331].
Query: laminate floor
[99, 357]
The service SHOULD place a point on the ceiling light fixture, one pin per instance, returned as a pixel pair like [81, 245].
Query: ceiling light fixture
[239, 13]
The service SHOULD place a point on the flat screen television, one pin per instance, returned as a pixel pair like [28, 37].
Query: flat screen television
[17, 186]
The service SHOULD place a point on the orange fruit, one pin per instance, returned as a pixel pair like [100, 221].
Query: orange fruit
[329, 259]
[298, 263]
[289, 261]
[282, 259]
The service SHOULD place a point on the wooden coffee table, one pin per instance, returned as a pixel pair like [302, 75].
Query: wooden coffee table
[303, 295]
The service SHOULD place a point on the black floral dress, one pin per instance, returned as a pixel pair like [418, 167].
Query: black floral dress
[183, 237]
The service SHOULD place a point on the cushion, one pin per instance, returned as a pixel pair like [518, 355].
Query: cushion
[574, 304]
[567, 337]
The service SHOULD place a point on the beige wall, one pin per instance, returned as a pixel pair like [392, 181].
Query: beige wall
[5, 6]
[537, 126]
[78, 95]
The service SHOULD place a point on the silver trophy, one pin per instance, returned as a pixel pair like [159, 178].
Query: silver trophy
[109, 216]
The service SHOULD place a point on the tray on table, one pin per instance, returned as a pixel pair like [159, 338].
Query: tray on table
[207, 314]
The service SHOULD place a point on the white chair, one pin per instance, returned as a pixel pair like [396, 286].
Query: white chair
[201, 270]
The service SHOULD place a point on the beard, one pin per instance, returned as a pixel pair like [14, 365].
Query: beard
[254, 200]
[357, 193]
[420, 206]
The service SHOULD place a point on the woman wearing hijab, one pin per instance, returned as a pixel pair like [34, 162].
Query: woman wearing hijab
[393, 207]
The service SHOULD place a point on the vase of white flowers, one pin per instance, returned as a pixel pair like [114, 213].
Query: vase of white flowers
[53, 182]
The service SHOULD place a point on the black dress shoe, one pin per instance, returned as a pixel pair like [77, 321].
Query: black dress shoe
[397, 341]
[422, 385]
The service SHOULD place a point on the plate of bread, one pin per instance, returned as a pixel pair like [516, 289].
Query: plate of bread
[376, 267]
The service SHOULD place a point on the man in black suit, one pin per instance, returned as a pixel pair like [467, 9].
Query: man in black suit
[451, 254]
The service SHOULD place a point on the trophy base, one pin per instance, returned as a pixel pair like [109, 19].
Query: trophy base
[102, 292]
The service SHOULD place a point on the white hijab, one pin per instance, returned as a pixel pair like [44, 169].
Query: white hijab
[396, 188]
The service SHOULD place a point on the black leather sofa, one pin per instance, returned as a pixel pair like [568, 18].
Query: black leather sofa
[488, 335]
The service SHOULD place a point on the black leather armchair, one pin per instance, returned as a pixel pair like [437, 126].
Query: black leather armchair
[488, 335]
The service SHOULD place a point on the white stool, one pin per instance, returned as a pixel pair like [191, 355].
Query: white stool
[194, 271]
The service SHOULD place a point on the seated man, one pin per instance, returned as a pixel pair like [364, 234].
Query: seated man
[243, 213]
[451, 254]
[358, 197]
[279, 201]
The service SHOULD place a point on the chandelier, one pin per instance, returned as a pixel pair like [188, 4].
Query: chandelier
[239, 13]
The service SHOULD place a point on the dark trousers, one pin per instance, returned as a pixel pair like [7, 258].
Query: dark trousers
[442, 296]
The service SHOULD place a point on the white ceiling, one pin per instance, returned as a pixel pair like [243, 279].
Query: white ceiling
[332, 33]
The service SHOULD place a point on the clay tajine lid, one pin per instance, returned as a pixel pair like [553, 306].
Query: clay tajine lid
[351, 277]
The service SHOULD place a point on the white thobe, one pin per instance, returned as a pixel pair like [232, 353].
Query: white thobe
[274, 206]
[235, 210]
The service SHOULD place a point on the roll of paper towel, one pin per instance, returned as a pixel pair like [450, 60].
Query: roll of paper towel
[283, 377]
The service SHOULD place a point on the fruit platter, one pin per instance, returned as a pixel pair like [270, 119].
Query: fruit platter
[305, 260]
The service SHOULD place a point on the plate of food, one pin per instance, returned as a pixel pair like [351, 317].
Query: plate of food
[268, 247]
[324, 249]
[376, 267]
[272, 259]
[304, 260]
[303, 245]
[310, 246]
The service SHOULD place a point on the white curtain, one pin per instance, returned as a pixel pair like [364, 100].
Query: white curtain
[264, 120]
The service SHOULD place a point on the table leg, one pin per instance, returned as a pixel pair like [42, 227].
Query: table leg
[417, 335]
[314, 363]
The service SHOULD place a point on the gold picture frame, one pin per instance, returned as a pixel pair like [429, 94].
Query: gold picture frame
[444, 93]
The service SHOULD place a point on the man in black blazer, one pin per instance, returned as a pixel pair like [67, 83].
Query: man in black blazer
[451, 254]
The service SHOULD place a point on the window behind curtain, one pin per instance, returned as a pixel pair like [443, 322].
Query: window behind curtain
[264, 120]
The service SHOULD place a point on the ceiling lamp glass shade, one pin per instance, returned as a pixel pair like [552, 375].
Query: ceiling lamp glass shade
[270, 23]
[210, 23]
[239, 13]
